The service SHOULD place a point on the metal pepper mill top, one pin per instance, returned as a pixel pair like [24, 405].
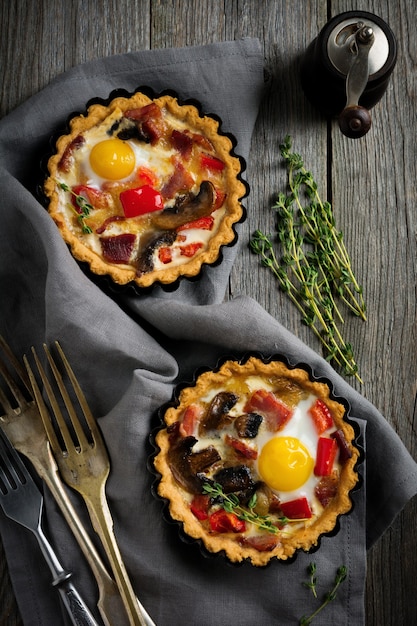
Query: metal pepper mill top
[346, 69]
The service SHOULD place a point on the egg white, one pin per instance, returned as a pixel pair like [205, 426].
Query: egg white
[157, 160]
[301, 427]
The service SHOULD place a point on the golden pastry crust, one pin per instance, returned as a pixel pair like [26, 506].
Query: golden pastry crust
[232, 377]
[86, 249]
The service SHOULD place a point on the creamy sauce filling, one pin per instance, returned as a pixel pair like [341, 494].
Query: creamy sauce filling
[300, 426]
[160, 160]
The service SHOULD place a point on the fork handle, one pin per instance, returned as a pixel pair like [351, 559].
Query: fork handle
[77, 610]
[75, 606]
[102, 522]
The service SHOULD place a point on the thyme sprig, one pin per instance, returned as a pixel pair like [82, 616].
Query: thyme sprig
[231, 504]
[313, 266]
[341, 575]
[84, 206]
[312, 582]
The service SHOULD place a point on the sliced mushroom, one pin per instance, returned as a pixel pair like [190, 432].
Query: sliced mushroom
[145, 262]
[262, 543]
[247, 425]
[235, 479]
[217, 415]
[187, 209]
[203, 459]
[186, 467]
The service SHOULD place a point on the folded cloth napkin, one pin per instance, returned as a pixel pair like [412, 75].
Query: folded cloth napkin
[129, 351]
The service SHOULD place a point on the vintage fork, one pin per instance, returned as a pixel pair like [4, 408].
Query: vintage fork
[84, 466]
[24, 428]
[22, 502]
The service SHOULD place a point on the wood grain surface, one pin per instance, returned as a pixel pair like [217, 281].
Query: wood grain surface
[371, 183]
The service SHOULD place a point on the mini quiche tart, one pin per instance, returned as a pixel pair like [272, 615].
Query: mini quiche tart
[256, 460]
[145, 189]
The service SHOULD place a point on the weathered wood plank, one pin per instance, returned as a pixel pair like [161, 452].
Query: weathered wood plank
[375, 202]
[285, 110]
[372, 184]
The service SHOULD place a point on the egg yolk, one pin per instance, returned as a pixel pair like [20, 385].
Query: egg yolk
[285, 463]
[112, 159]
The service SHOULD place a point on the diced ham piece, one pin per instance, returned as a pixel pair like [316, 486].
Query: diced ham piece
[150, 120]
[98, 199]
[110, 220]
[274, 411]
[118, 248]
[191, 417]
[65, 161]
[242, 448]
[182, 142]
[326, 489]
[181, 181]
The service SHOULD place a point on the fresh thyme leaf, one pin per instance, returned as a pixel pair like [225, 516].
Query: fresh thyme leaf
[311, 263]
[84, 206]
[231, 504]
[341, 575]
[311, 584]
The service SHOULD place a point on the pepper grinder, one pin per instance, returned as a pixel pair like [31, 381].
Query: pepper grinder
[346, 69]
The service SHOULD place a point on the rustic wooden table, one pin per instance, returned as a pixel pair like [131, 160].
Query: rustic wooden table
[371, 183]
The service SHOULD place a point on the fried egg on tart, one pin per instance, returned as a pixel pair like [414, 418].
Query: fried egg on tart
[256, 460]
[145, 189]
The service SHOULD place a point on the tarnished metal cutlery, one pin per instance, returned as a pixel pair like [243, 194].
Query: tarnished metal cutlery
[22, 502]
[25, 429]
[83, 464]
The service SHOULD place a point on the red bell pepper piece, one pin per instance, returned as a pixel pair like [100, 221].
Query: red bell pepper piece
[140, 201]
[165, 254]
[145, 176]
[321, 415]
[203, 223]
[199, 506]
[223, 522]
[326, 454]
[296, 509]
[212, 163]
[190, 249]
[220, 198]
[275, 412]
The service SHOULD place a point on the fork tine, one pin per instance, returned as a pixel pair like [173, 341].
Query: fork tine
[91, 422]
[13, 463]
[23, 503]
[10, 381]
[4, 400]
[17, 366]
[79, 431]
[66, 436]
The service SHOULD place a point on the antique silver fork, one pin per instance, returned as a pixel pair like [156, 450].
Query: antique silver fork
[21, 421]
[83, 464]
[22, 502]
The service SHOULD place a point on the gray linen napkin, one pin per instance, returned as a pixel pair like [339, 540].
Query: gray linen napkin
[130, 350]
